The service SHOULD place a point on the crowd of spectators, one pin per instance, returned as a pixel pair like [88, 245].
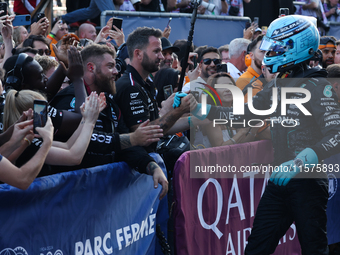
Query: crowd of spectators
[95, 7]
[99, 115]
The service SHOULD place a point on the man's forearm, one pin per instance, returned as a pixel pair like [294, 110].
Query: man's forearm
[180, 125]
[55, 81]
[125, 141]
[136, 157]
[151, 167]
[168, 120]
[80, 93]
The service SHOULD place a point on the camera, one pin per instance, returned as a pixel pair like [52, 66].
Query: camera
[210, 7]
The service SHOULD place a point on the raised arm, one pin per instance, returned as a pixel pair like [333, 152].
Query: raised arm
[19, 132]
[73, 152]
[23, 177]
[74, 72]
[6, 135]
[7, 34]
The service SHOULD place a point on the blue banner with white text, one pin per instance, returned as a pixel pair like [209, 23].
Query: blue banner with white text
[108, 209]
[333, 205]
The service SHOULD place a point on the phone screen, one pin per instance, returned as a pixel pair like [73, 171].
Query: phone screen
[167, 91]
[40, 114]
[256, 20]
[118, 23]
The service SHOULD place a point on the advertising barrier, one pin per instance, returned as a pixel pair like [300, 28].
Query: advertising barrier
[108, 209]
[112, 209]
[333, 206]
[215, 215]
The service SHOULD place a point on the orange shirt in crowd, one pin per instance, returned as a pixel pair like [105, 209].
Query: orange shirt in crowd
[247, 77]
[257, 86]
[53, 41]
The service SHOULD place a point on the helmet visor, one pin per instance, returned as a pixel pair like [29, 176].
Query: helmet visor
[271, 45]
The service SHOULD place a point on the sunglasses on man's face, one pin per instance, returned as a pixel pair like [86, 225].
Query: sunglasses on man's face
[46, 51]
[207, 61]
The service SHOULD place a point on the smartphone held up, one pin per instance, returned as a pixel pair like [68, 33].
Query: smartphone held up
[21, 20]
[117, 23]
[39, 114]
[3, 7]
[168, 90]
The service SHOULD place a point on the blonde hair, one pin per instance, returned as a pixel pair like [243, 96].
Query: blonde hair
[18, 102]
[17, 35]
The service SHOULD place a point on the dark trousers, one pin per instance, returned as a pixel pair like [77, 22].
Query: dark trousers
[303, 201]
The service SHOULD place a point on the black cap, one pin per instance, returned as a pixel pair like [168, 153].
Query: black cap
[166, 44]
[326, 39]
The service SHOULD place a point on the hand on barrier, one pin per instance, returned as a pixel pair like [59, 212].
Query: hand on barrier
[158, 177]
[288, 170]
[177, 99]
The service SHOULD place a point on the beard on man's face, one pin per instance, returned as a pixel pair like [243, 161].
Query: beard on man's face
[104, 82]
[149, 65]
[258, 63]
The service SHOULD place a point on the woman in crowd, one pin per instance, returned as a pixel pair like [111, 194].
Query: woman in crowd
[20, 34]
[22, 177]
[68, 153]
[31, 76]
[224, 134]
